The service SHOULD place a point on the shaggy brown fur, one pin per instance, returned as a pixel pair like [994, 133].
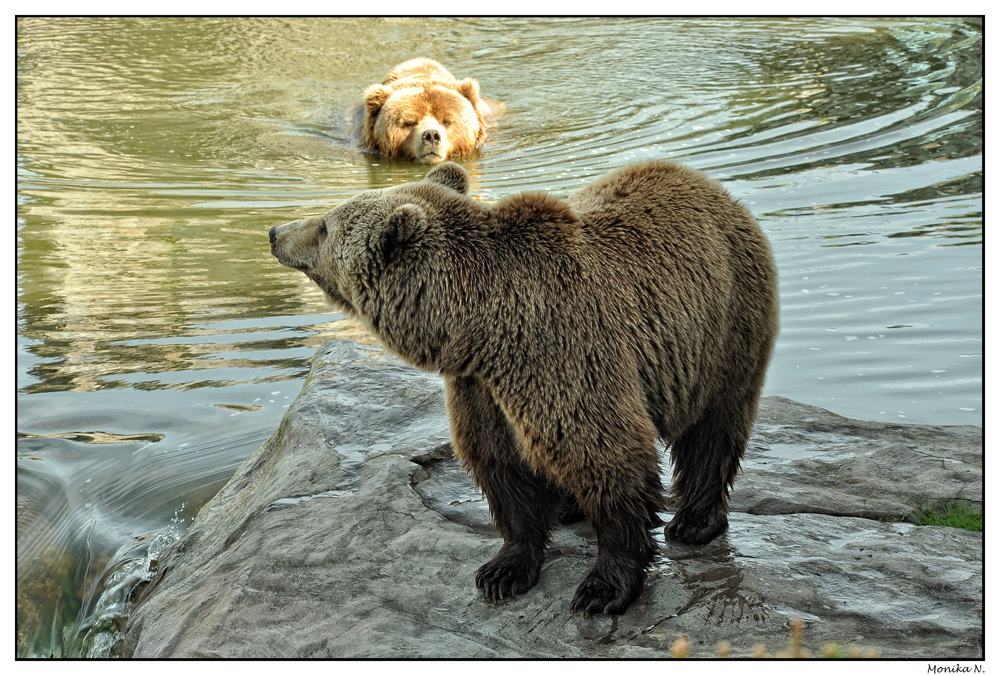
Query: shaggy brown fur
[421, 113]
[571, 334]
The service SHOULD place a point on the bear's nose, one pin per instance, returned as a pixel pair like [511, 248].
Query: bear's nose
[432, 137]
[272, 234]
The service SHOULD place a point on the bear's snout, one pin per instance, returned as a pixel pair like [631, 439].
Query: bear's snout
[432, 137]
[429, 142]
[274, 233]
[297, 244]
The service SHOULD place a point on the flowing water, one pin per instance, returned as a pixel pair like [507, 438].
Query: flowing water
[159, 344]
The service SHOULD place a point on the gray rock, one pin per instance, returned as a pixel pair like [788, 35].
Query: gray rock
[804, 459]
[354, 533]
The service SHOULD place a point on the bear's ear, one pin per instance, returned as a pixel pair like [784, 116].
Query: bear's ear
[469, 88]
[375, 98]
[404, 224]
[451, 175]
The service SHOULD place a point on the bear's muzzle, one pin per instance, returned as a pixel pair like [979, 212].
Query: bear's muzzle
[297, 244]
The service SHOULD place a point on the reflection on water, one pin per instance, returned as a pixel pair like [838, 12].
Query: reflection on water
[159, 344]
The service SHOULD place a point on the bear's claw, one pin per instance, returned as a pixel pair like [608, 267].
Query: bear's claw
[507, 575]
[696, 529]
[597, 595]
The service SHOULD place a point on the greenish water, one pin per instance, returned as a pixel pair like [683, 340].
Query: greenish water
[158, 343]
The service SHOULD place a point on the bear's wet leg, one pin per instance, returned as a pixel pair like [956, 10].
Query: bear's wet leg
[620, 570]
[625, 547]
[523, 504]
[523, 507]
[706, 458]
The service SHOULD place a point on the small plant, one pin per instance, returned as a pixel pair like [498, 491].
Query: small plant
[955, 515]
[832, 651]
[794, 650]
[681, 647]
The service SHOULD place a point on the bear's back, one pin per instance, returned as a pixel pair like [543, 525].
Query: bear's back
[419, 69]
[687, 272]
[659, 215]
[657, 198]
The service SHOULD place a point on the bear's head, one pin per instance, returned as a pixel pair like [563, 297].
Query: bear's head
[345, 250]
[423, 121]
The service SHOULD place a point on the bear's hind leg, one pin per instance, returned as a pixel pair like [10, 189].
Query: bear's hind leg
[706, 458]
[524, 504]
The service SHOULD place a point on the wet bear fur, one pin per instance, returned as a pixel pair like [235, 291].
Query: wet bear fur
[571, 333]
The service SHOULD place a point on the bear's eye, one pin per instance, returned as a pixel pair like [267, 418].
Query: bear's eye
[447, 123]
[409, 123]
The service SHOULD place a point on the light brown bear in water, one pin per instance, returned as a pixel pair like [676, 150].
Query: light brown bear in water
[571, 333]
[421, 113]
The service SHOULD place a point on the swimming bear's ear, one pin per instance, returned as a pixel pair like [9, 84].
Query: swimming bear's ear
[375, 98]
[450, 175]
[469, 88]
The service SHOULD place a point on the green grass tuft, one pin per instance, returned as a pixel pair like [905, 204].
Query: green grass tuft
[957, 515]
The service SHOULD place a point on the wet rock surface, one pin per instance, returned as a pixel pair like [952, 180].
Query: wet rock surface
[353, 532]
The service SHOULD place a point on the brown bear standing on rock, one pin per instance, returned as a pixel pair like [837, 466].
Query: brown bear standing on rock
[571, 333]
[421, 113]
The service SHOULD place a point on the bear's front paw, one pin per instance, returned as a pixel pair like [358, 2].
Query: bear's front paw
[694, 529]
[512, 571]
[608, 589]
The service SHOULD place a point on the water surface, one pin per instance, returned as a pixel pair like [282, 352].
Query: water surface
[159, 343]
